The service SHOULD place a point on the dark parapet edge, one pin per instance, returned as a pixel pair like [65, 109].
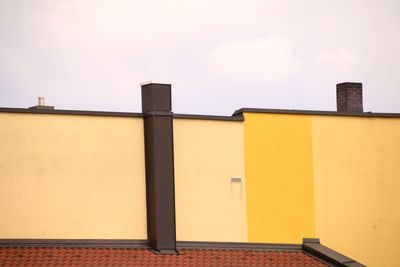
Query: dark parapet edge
[237, 246]
[313, 247]
[316, 112]
[75, 243]
[117, 114]
[239, 118]
[142, 243]
[237, 115]
[71, 112]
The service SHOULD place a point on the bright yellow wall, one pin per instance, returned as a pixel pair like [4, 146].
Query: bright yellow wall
[64, 176]
[209, 207]
[357, 187]
[280, 202]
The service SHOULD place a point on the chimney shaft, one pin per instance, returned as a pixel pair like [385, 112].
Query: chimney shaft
[349, 97]
[41, 101]
[159, 154]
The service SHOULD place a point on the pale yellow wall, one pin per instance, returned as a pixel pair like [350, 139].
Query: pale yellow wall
[64, 176]
[209, 207]
[357, 187]
[280, 201]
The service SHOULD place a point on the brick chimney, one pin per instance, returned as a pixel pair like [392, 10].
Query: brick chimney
[349, 97]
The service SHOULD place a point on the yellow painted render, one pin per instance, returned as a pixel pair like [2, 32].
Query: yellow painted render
[280, 202]
[209, 207]
[64, 176]
[357, 187]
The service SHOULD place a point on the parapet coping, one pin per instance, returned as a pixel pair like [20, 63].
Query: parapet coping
[316, 112]
[237, 115]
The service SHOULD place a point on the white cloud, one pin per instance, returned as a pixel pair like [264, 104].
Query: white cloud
[338, 59]
[256, 61]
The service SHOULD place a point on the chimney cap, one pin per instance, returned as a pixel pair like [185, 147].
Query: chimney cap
[145, 83]
[349, 83]
[151, 82]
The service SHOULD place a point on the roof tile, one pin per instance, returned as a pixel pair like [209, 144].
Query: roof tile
[144, 257]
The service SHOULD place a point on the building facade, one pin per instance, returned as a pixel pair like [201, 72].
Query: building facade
[260, 176]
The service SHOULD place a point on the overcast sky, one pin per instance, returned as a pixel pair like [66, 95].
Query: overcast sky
[218, 55]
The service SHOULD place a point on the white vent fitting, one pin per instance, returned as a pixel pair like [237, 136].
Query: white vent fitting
[41, 101]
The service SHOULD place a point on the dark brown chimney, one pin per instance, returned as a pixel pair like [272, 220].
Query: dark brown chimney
[159, 154]
[349, 97]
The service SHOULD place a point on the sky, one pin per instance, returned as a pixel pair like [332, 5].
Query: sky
[219, 56]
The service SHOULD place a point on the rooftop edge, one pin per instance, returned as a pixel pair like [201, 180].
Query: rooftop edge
[236, 116]
[315, 112]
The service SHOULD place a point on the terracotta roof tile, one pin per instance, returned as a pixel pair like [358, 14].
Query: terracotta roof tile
[144, 257]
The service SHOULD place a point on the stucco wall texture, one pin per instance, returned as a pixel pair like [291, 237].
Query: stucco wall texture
[209, 206]
[280, 196]
[66, 176]
[331, 177]
[357, 187]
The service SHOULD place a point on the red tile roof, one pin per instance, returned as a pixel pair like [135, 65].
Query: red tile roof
[144, 257]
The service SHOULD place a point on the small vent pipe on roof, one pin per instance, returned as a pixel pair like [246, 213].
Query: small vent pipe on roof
[41, 104]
